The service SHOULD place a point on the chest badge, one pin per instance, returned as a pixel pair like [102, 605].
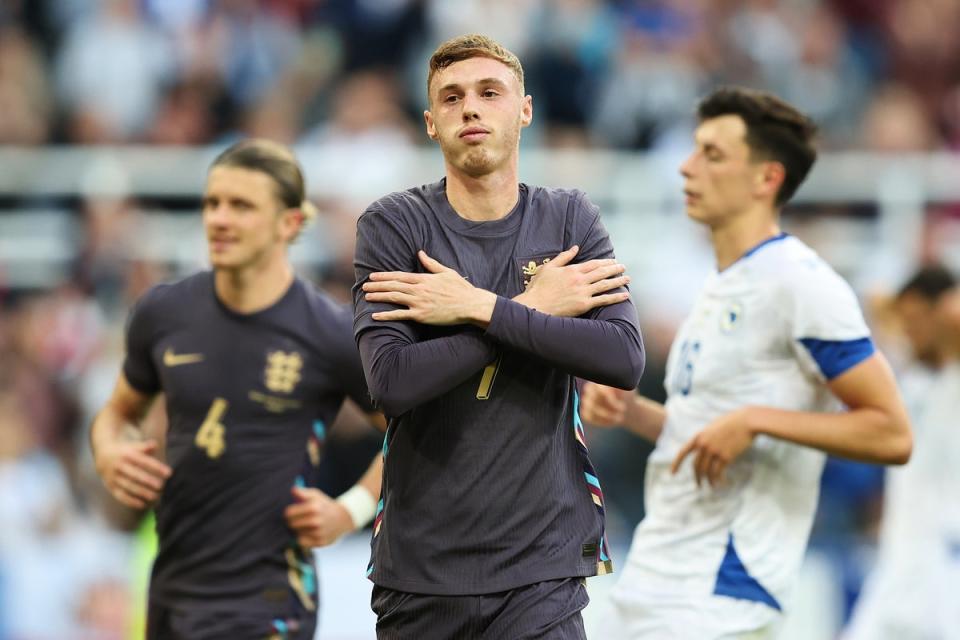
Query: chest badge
[530, 269]
[731, 318]
[283, 371]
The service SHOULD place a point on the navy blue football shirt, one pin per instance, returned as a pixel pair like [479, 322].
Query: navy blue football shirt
[487, 482]
[249, 398]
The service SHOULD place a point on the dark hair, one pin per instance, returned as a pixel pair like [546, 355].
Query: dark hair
[775, 131]
[930, 282]
[275, 160]
[472, 46]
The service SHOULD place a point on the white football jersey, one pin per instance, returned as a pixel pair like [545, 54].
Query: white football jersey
[769, 330]
[920, 531]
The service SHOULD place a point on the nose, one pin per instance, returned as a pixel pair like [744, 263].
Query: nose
[686, 167]
[471, 106]
[215, 215]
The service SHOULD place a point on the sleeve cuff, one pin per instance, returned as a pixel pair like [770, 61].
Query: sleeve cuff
[506, 313]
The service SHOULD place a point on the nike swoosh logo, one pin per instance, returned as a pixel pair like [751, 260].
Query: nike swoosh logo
[172, 359]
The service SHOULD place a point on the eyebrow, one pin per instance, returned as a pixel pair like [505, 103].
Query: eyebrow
[453, 86]
[710, 146]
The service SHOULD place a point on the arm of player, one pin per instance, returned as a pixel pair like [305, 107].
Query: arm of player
[604, 406]
[403, 374]
[318, 520]
[443, 297]
[127, 465]
[606, 349]
[875, 428]
[401, 370]
[562, 289]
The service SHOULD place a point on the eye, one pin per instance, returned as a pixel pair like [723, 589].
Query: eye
[451, 99]
[490, 93]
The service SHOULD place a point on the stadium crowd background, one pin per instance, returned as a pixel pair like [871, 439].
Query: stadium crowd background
[346, 77]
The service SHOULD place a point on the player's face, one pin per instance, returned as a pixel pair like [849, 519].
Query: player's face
[919, 323]
[243, 218]
[477, 109]
[720, 179]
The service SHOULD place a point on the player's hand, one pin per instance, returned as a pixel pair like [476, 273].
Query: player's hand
[131, 472]
[569, 290]
[604, 406]
[718, 445]
[440, 297]
[316, 518]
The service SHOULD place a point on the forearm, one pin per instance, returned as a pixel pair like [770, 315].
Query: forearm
[608, 351]
[865, 434]
[360, 500]
[109, 426]
[372, 477]
[645, 417]
[403, 374]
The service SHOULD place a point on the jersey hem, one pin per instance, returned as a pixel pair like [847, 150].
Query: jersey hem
[436, 589]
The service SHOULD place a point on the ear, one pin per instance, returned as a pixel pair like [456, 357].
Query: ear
[431, 128]
[769, 179]
[291, 223]
[526, 111]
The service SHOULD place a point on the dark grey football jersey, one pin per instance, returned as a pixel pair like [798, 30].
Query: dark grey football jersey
[487, 481]
[249, 398]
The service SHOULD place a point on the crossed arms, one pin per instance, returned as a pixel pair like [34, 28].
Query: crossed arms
[543, 321]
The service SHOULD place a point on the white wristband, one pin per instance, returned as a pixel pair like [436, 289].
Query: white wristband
[359, 504]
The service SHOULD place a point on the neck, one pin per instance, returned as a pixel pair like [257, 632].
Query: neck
[737, 236]
[483, 198]
[253, 288]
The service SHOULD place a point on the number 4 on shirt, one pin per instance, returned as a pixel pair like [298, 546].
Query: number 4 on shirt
[210, 436]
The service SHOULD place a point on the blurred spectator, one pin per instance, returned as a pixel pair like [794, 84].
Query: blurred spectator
[25, 100]
[924, 49]
[377, 33]
[654, 80]
[366, 128]
[111, 70]
[825, 79]
[765, 33]
[110, 228]
[510, 22]
[42, 533]
[253, 47]
[577, 41]
[895, 121]
[187, 113]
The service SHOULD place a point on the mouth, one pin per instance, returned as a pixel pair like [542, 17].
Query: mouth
[474, 134]
[218, 245]
[690, 196]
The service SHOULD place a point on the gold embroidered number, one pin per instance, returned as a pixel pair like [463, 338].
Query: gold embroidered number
[210, 436]
[486, 380]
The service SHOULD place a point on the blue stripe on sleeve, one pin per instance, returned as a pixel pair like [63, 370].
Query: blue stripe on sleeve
[837, 356]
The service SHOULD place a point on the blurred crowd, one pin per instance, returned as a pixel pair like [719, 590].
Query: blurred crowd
[349, 75]
[605, 73]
